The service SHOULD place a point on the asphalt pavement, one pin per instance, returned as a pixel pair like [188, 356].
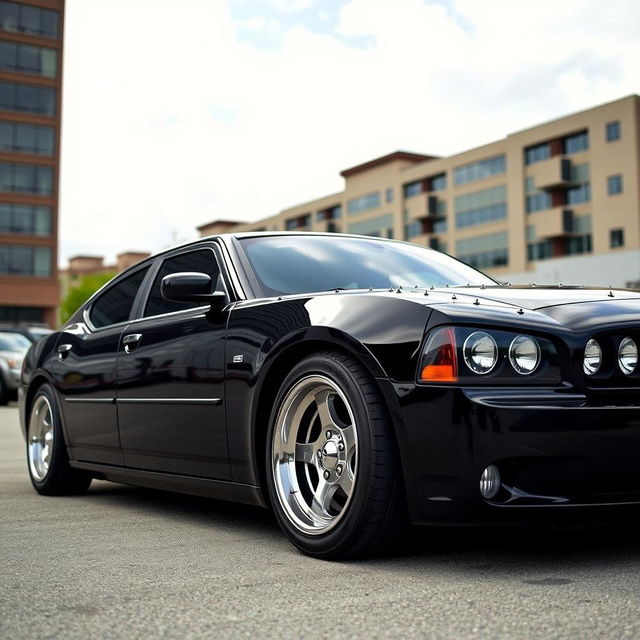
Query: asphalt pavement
[122, 562]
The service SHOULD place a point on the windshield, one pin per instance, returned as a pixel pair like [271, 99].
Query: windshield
[14, 342]
[308, 263]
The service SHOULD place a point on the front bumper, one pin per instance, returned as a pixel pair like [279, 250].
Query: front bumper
[555, 452]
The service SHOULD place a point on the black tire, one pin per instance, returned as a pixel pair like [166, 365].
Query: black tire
[375, 514]
[60, 478]
[4, 392]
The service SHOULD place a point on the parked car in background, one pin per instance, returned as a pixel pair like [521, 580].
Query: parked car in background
[350, 383]
[13, 347]
[32, 332]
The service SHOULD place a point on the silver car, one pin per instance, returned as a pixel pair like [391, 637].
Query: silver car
[13, 348]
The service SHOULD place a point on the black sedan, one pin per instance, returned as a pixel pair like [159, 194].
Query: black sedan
[352, 384]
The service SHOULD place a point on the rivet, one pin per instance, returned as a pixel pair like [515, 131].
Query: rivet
[520, 312]
[390, 289]
[611, 294]
[477, 302]
[453, 297]
[482, 286]
[326, 475]
[399, 290]
[426, 293]
[329, 434]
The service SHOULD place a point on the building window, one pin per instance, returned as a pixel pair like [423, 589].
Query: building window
[439, 182]
[16, 315]
[576, 143]
[481, 207]
[535, 200]
[539, 250]
[616, 238]
[614, 184]
[26, 138]
[332, 213]
[479, 170]
[301, 222]
[537, 153]
[484, 252]
[19, 18]
[18, 260]
[24, 97]
[577, 245]
[389, 195]
[613, 131]
[364, 203]
[25, 219]
[579, 194]
[380, 227]
[26, 178]
[412, 189]
[412, 230]
[26, 58]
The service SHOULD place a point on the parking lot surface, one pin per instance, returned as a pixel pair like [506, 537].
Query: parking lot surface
[126, 562]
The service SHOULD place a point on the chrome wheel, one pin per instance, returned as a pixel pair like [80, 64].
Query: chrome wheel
[40, 438]
[314, 459]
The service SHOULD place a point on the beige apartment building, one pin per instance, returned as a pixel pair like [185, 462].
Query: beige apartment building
[558, 202]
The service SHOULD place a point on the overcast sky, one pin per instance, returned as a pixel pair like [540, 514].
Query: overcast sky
[179, 112]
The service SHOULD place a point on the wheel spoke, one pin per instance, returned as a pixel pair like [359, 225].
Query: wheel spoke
[322, 497]
[345, 481]
[306, 452]
[349, 438]
[323, 402]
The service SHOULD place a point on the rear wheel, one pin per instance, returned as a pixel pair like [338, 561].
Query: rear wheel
[47, 458]
[332, 462]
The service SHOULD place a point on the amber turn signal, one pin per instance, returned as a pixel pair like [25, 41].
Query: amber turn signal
[439, 360]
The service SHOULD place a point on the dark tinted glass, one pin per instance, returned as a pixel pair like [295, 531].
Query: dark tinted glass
[115, 304]
[299, 264]
[201, 261]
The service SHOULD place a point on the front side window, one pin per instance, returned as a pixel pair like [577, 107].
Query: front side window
[115, 304]
[200, 261]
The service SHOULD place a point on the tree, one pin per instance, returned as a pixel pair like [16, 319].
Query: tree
[78, 294]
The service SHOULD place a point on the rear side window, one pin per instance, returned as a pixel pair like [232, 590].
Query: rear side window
[202, 261]
[115, 304]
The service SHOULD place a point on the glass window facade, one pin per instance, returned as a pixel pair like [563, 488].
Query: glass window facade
[24, 97]
[479, 170]
[19, 18]
[26, 138]
[19, 260]
[26, 58]
[582, 191]
[539, 250]
[576, 143]
[412, 230]
[614, 185]
[613, 131]
[364, 203]
[537, 153]
[616, 238]
[381, 227]
[484, 252]
[16, 315]
[26, 178]
[481, 207]
[412, 189]
[578, 245]
[25, 219]
[389, 195]
[535, 200]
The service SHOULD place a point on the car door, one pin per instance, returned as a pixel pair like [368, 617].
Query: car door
[170, 396]
[85, 372]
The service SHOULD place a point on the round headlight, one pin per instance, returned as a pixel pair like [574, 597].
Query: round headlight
[592, 357]
[524, 355]
[480, 352]
[627, 355]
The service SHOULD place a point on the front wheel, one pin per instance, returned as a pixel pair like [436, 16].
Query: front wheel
[47, 458]
[332, 463]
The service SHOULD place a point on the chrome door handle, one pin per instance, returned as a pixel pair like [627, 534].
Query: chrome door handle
[63, 351]
[130, 341]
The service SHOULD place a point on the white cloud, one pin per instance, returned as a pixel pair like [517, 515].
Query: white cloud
[171, 121]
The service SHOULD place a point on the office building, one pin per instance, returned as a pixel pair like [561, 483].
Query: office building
[558, 202]
[30, 100]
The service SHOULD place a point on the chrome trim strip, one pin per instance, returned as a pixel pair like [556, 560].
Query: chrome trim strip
[92, 400]
[212, 401]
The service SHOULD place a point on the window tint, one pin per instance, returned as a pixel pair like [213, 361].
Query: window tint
[201, 261]
[115, 304]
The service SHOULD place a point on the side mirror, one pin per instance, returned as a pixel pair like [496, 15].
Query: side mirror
[192, 287]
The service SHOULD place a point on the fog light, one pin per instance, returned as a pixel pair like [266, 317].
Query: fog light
[490, 482]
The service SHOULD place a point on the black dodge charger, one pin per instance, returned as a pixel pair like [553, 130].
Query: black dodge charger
[352, 384]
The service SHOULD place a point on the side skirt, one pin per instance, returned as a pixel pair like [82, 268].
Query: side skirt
[217, 489]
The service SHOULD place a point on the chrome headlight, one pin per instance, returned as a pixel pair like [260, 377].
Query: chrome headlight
[480, 352]
[524, 355]
[592, 357]
[627, 355]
